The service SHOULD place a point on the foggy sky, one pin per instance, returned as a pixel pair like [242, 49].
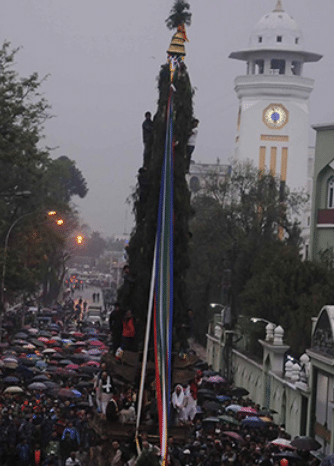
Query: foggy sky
[103, 61]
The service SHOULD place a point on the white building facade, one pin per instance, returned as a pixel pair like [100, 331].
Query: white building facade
[273, 118]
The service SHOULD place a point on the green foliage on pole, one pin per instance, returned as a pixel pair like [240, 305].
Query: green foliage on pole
[179, 14]
[135, 294]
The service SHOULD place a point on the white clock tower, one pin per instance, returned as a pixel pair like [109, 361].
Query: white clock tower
[273, 124]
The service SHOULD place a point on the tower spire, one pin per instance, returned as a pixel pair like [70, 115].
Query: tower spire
[279, 7]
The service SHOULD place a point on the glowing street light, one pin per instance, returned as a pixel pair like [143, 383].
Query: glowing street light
[260, 319]
[52, 213]
[79, 239]
[60, 222]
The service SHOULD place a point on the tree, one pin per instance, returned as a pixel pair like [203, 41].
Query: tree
[63, 180]
[26, 167]
[234, 219]
[288, 291]
[146, 196]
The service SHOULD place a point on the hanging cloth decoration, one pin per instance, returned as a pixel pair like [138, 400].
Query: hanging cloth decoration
[163, 292]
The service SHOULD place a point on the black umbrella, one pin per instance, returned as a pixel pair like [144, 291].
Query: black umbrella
[205, 391]
[239, 391]
[289, 455]
[40, 378]
[212, 406]
[305, 443]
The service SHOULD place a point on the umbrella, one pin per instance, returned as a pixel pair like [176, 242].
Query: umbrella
[21, 335]
[235, 436]
[234, 408]
[50, 384]
[65, 362]
[212, 406]
[289, 455]
[29, 346]
[205, 391]
[77, 393]
[41, 365]
[43, 339]
[211, 419]
[13, 389]
[282, 442]
[93, 363]
[214, 379]
[222, 398]
[65, 393]
[239, 391]
[37, 343]
[252, 421]
[94, 351]
[40, 378]
[11, 379]
[37, 386]
[72, 367]
[247, 410]
[305, 443]
[49, 351]
[228, 419]
[33, 330]
[95, 343]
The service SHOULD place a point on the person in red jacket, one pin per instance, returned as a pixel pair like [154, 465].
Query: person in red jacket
[129, 331]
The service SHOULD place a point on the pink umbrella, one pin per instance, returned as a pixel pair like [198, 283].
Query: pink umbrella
[96, 343]
[43, 339]
[235, 436]
[92, 363]
[247, 410]
[72, 367]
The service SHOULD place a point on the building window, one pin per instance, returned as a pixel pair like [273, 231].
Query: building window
[330, 202]
[277, 66]
[260, 39]
[297, 40]
[279, 38]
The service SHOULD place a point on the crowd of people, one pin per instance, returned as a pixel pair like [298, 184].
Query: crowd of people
[59, 383]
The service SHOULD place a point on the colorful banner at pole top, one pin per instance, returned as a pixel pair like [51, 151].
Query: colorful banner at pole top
[163, 298]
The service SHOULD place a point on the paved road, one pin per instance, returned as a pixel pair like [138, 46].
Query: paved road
[87, 295]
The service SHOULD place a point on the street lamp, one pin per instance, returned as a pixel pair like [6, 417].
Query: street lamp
[260, 319]
[270, 327]
[4, 265]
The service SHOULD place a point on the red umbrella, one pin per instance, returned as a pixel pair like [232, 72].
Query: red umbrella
[235, 436]
[77, 334]
[52, 342]
[53, 362]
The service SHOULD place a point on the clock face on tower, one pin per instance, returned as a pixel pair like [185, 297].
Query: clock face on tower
[275, 116]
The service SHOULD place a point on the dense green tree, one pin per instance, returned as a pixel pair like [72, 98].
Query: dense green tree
[28, 177]
[235, 218]
[288, 291]
[63, 180]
